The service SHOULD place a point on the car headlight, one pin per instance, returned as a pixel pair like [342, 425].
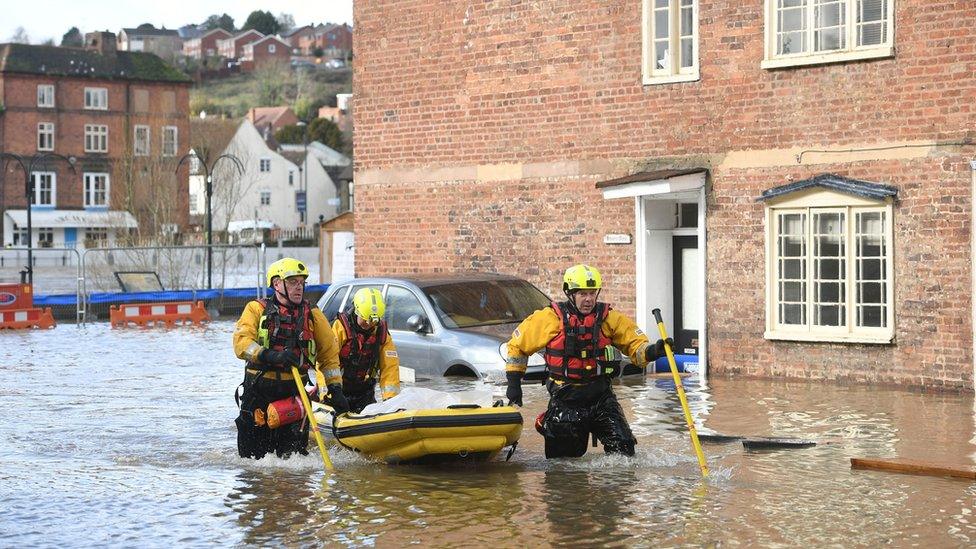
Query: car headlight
[534, 360]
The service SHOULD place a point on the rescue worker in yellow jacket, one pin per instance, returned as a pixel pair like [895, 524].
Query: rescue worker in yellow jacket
[577, 336]
[366, 351]
[272, 335]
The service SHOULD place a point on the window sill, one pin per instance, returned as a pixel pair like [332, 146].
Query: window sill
[829, 338]
[671, 79]
[824, 58]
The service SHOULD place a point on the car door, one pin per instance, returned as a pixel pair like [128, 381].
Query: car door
[413, 348]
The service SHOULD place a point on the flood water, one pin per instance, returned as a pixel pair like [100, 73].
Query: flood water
[126, 437]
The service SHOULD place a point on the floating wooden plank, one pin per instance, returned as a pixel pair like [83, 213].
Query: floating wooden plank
[717, 438]
[769, 443]
[915, 467]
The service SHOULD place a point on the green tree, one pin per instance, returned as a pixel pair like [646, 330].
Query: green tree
[72, 38]
[224, 21]
[261, 21]
[326, 132]
[322, 130]
[290, 134]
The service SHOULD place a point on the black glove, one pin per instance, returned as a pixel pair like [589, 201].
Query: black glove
[337, 399]
[657, 351]
[285, 358]
[514, 391]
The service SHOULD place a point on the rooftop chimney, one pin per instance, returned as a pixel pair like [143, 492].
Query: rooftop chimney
[101, 41]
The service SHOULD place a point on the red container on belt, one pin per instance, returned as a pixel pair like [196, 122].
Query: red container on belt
[285, 411]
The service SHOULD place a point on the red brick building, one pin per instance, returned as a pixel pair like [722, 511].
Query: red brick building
[205, 45]
[264, 50]
[121, 116]
[233, 47]
[684, 148]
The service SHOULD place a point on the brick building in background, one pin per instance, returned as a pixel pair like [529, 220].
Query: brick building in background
[205, 45]
[686, 149]
[121, 116]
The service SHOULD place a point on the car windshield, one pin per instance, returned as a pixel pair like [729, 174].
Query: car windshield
[482, 302]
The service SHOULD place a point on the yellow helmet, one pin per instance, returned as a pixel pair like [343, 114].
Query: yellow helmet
[286, 268]
[368, 303]
[582, 277]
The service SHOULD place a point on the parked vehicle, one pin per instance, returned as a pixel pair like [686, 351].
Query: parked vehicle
[449, 325]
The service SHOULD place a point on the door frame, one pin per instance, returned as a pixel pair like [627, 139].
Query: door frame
[677, 285]
[685, 187]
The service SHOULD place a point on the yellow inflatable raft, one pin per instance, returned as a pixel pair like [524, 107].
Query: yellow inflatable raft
[459, 432]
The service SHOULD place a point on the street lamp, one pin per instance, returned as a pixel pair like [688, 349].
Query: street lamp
[304, 192]
[28, 169]
[208, 179]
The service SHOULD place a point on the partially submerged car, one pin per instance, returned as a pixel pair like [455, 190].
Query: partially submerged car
[449, 325]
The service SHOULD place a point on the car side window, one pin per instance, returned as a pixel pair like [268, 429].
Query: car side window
[400, 305]
[331, 308]
[347, 307]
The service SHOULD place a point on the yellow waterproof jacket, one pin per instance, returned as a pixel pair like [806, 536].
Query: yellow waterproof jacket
[539, 328]
[389, 365]
[247, 346]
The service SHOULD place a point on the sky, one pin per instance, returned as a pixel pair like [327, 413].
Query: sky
[51, 19]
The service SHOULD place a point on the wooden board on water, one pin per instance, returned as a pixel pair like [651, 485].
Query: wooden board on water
[768, 443]
[720, 439]
[915, 467]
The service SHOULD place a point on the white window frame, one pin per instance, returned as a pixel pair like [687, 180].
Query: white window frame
[37, 191]
[652, 73]
[264, 198]
[141, 147]
[45, 95]
[45, 237]
[170, 146]
[851, 51]
[45, 136]
[91, 193]
[271, 48]
[810, 203]
[96, 99]
[94, 235]
[264, 165]
[96, 138]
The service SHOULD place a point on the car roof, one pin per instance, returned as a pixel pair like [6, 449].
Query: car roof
[426, 280]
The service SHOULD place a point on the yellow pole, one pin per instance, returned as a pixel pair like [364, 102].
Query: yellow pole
[681, 394]
[311, 417]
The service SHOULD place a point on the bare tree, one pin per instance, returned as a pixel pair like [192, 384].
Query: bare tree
[20, 36]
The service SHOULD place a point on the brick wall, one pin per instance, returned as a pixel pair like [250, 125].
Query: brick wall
[168, 105]
[453, 91]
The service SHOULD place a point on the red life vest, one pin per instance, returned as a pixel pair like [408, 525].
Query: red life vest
[278, 326]
[359, 355]
[577, 352]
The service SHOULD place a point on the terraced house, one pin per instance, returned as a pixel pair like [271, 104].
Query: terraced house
[791, 182]
[104, 131]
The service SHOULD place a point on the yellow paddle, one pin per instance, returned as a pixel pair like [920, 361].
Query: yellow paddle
[311, 418]
[681, 393]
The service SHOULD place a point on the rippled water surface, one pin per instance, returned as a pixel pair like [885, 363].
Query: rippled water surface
[126, 437]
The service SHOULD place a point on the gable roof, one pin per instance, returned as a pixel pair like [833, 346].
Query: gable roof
[211, 136]
[149, 30]
[265, 39]
[211, 31]
[55, 61]
[846, 185]
[266, 116]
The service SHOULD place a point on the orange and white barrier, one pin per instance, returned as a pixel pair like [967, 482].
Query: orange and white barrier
[18, 319]
[144, 314]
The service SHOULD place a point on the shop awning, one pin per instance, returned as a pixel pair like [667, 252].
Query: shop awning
[653, 183]
[73, 218]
